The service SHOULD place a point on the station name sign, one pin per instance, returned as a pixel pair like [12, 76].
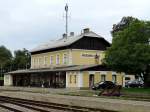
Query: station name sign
[88, 55]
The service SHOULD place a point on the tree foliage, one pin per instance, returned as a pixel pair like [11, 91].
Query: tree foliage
[5, 56]
[124, 23]
[21, 59]
[130, 50]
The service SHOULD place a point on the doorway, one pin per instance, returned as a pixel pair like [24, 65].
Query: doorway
[91, 80]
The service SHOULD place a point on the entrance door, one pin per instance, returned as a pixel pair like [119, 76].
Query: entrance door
[91, 80]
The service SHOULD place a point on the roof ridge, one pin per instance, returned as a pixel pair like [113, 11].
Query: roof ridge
[64, 41]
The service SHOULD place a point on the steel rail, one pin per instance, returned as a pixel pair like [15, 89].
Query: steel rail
[25, 102]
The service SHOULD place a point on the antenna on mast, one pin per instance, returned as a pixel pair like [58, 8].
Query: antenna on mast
[66, 10]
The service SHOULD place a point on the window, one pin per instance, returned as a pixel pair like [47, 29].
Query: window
[37, 61]
[103, 77]
[33, 62]
[75, 78]
[40, 62]
[70, 78]
[57, 59]
[114, 78]
[65, 59]
[51, 60]
[45, 60]
[127, 78]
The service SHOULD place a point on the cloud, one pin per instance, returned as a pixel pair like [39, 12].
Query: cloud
[27, 23]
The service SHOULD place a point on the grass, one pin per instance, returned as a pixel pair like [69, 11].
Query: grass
[1, 78]
[87, 93]
[141, 94]
[137, 90]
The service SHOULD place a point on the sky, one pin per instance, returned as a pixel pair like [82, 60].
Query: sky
[28, 23]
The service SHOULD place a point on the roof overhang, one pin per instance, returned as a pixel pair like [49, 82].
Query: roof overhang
[63, 69]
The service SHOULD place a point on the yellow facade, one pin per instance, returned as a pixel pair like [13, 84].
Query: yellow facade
[85, 79]
[86, 57]
[97, 77]
[73, 57]
[73, 79]
[75, 65]
[36, 63]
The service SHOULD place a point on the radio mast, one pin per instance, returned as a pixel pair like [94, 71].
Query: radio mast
[66, 16]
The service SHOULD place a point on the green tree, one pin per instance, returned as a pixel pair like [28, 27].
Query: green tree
[21, 59]
[130, 50]
[5, 59]
[124, 23]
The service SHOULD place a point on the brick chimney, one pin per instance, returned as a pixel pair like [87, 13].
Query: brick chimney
[86, 30]
[64, 35]
[71, 33]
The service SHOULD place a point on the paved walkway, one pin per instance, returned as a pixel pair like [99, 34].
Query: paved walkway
[94, 102]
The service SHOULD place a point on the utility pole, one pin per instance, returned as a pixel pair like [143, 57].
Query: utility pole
[66, 10]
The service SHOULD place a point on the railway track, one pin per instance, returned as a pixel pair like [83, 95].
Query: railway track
[39, 106]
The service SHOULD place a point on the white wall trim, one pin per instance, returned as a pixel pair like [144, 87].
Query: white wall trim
[58, 61]
[70, 57]
[103, 72]
[114, 73]
[45, 59]
[92, 72]
[65, 61]
[8, 80]
[67, 74]
[87, 50]
[51, 60]
[80, 79]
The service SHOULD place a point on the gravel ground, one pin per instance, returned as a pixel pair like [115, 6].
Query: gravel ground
[3, 110]
[102, 103]
[18, 107]
[51, 95]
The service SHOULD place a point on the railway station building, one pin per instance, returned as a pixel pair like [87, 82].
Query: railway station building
[70, 62]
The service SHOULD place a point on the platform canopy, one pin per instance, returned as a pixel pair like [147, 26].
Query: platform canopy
[63, 68]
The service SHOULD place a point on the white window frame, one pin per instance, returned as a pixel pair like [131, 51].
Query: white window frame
[40, 61]
[51, 59]
[57, 59]
[75, 79]
[104, 77]
[32, 62]
[70, 78]
[114, 79]
[45, 60]
[65, 59]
